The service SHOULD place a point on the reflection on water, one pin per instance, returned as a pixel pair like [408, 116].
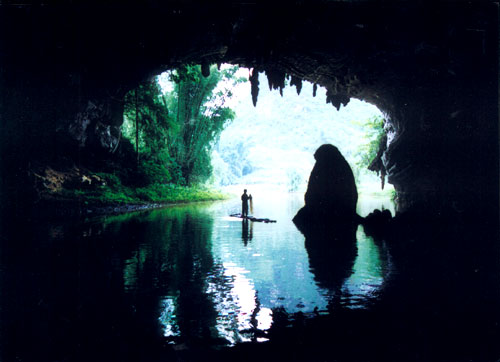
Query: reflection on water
[189, 274]
[240, 271]
[370, 269]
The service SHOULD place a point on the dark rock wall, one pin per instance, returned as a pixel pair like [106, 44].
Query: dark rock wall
[430, 66]
[443, 148]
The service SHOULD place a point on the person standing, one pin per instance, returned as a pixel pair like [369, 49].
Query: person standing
[251, 203]
[244, 203]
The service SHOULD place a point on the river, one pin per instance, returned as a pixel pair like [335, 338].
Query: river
[182, 276]
[181, 273]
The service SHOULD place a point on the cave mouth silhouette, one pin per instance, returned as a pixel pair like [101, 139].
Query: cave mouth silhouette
[274, 141]
[430, 67]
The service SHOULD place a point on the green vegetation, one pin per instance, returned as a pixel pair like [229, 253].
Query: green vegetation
[172, 145]
[370, 153]
[155, 193]
[275, 141]
[374, 134]
[164, 154]
[173, 132]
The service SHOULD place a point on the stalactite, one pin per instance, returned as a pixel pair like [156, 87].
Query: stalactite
[269, 80]
[276, 79]
[254, 81]
[297, 82]
[328, 97]
[205, 69]
[282, 83]
[336, 99]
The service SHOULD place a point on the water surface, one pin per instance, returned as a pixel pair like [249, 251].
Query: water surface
[220, 277]
[149, 285]
[184, 274]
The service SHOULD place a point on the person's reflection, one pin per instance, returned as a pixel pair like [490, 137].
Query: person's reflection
[245, 234]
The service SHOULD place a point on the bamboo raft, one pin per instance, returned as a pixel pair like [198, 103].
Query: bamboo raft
[251, 218]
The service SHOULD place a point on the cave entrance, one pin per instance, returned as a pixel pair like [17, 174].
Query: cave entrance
[268, 149]
[201, 127]
[271, 146]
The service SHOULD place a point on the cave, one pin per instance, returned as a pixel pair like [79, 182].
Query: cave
[430, 66]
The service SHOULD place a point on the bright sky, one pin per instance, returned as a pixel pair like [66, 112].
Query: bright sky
[265, 145]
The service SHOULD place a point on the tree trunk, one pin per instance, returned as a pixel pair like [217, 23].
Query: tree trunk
[136, 128]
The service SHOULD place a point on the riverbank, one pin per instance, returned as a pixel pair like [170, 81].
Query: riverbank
[87, 207]
[77, 191]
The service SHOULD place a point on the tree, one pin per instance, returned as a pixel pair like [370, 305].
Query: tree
[174, 132]
[147, 125]
[200, 113]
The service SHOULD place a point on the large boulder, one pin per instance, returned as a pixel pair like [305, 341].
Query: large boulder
[331, 195]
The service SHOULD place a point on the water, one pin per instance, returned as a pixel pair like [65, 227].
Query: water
[184, 272]
[252, 268]
[190, 276]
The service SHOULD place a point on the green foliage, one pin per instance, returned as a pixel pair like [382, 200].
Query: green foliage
[146, 108]
[110, 180]
[150, 106]
[167, 141]
[152, 171]
[185, 73]
[116, 193]
[374, 132]
[233, 160]
[173, 133]
[277, 138]
[200, 115]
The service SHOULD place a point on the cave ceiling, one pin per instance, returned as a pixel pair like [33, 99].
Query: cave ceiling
[354, 49]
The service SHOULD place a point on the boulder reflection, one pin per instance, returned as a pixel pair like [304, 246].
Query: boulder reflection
[350, 264]
[332, 252]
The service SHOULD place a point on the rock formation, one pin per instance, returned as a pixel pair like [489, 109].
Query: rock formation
[328, 219]
[331, 197]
